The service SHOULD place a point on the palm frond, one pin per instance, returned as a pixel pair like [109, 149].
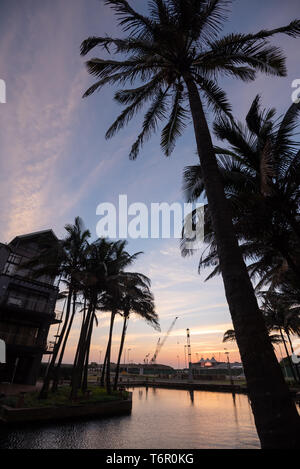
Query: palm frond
[175, 126]
[143, 94]
[229, 336]
[129, 96]
[156, 112]
[284, 142]
[234, 50]
[216, 97]
[130, 20]
[212, 16]
[193, 184]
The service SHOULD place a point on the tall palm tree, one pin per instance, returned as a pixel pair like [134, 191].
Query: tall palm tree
[63, 260]
[176, 54]
[120, 260]
[136, 298]
[76, 246]
[94, 281]
[260, 172]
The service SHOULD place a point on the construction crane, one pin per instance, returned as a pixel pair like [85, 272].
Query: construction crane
[188, 342]
[161, 343]
[188, 339]
[146, 359]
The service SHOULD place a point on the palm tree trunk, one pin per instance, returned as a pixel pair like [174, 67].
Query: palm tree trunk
[121, 351]
[108, 385]
[292, 350]
[46, 384]
[104, 368]
[58, 366]
[276, 417]
[81, 353]
[288, 355]
[87, 357]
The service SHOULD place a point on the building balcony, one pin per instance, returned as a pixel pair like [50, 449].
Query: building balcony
[28, 282]
[33, 309]
[22, 343]
[28, 304]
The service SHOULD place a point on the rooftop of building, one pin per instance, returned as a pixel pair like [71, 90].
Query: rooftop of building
[37, 234]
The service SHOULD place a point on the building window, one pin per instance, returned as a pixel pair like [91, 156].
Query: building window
[12, 264]
[14, 259]
[13, 334]
[26, 299]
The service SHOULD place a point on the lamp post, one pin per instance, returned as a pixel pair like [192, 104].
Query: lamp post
[229, 368]
[185, 356]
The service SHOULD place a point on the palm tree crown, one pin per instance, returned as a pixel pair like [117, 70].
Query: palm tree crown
[179, 38]
[260, 173]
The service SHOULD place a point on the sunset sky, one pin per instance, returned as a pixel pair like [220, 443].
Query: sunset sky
[56, 163]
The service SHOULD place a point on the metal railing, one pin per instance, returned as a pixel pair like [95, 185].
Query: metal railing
[30, 305]
[33, 281]
[50, 346]
[23, 340]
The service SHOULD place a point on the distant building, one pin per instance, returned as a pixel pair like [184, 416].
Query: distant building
[150, 369]
[27, 308]
[210, 368]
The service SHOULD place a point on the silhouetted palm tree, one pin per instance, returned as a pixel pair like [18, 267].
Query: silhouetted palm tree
[63, 260]
[120, 260]
[136, 298]
[94, 282]
[76, 246]
[176, 55]
[284, 317]
[260, 172]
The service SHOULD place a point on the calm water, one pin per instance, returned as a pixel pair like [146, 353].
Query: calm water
[160, 419]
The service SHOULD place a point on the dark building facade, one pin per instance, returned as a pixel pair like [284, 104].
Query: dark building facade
[27, 308]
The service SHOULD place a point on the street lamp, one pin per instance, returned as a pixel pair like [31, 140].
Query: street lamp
[129, 350]
[229, 367]
[185, 356]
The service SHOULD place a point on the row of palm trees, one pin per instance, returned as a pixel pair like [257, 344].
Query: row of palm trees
[96, 282]
[175, 55]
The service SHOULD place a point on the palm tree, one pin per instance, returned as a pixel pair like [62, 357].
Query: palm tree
[62, 260]
[176, 54]
[261, 180]
[136, 298]
[93, 281]
[229, 336]
[76, 247]
[281, 316]
[111, 301]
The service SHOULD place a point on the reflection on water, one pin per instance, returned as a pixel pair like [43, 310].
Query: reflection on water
[161, 419]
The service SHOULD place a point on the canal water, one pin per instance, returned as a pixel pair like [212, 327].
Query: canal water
[161, 419]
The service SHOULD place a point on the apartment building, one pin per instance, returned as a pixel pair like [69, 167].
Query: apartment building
[27, 308]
